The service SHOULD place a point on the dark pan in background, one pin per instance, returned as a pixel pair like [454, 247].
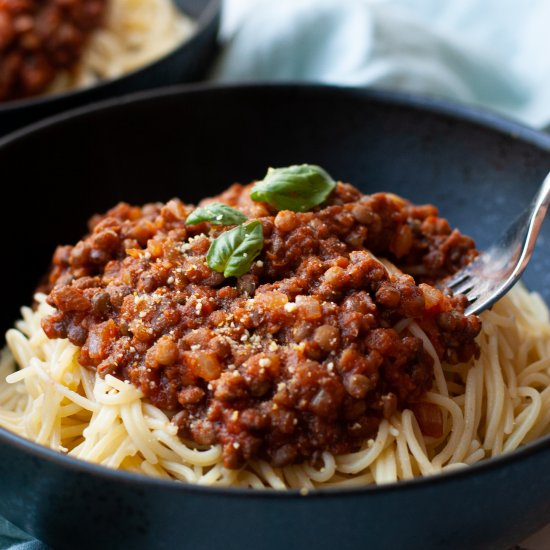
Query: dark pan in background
[194, 141]
[188, 62]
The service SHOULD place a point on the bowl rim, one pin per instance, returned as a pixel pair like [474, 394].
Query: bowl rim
[211, 10]
[440, 107]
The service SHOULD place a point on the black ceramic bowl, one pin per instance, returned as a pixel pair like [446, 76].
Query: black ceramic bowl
[186, 63]
[190, 142]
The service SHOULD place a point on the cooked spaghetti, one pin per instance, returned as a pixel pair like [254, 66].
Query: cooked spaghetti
[242, 343]
[491, 406]
[50, 46]
[135, 33]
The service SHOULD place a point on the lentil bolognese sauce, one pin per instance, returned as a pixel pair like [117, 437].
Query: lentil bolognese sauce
[54, 45]
[37, 39]
[295, 357]
[288, 333]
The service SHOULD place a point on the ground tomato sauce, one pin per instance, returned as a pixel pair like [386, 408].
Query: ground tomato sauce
[305, 353]
[39, 38]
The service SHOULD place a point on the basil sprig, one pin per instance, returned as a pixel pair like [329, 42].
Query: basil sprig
[233, 251]
[298, 188]
[216, 213]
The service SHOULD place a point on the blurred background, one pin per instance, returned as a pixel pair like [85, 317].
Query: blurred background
[492, 53]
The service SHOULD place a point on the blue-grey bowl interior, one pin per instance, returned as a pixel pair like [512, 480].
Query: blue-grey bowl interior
[190, 142]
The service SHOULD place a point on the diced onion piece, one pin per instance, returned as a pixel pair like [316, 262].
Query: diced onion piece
[309, 308]
[429, 418]
[204, 364]
[271, 300]
[432, 296]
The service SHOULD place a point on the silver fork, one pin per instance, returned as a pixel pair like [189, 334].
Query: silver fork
[496, 269]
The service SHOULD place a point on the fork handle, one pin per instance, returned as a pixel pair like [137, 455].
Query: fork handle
[542, 198]
[538, 209]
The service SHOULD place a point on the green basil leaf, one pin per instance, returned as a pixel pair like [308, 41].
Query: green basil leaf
[298, 188]
[216, 213]
[233, 252]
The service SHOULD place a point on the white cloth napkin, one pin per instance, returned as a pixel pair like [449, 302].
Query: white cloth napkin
[492, 53]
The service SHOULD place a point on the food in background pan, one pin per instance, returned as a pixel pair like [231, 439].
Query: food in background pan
[49, 46]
